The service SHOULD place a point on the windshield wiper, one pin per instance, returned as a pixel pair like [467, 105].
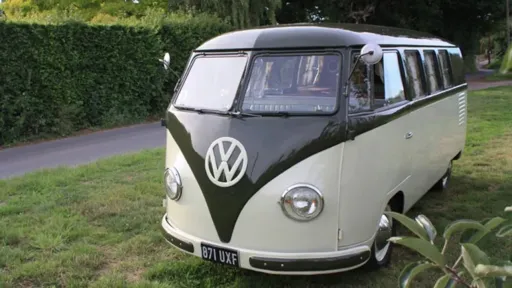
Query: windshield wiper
[230, 113]
[238, 114]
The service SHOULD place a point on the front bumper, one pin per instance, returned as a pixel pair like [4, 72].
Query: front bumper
[275, 263]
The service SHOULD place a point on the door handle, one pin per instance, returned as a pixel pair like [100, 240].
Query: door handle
[408, 135]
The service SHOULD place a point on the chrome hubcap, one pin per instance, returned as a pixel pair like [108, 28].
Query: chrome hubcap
[383, 234]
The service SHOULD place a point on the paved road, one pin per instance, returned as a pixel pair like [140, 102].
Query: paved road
[87, 148]
[80, 149]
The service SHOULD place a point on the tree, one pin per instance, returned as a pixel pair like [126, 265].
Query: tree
[240, 13]
[462, 22]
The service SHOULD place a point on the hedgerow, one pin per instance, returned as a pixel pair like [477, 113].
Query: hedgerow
[56, 79]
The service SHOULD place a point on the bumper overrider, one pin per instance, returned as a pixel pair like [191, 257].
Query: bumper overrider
[267, 262]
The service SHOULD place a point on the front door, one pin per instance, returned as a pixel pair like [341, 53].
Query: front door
[377, 162]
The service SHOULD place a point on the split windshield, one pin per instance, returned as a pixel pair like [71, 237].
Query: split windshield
[290, 83]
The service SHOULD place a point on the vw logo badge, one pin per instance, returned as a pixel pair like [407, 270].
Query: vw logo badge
[216, 168]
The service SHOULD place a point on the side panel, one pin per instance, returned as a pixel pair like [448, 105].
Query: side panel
[375, 165]
[438, 138]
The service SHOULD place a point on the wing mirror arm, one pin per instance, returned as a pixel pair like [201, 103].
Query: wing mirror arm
[167, 64]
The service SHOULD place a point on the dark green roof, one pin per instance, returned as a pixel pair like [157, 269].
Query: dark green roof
[319, 35]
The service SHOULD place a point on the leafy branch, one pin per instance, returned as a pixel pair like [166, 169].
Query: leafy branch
[475, 262]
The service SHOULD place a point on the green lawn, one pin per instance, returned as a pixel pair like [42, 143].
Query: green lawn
[98, 225]
[499, 77]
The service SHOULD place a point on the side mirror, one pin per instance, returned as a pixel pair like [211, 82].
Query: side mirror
[166, 61]
[371, 53]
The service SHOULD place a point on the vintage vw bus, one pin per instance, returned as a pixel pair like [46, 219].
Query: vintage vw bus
[286, 144]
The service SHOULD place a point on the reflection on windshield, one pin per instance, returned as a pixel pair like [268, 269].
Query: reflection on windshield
[212, 83]
[293, 83]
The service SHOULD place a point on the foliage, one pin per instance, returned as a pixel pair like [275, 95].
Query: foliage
[506, 65]
[439, 17]
[116, 8]
[496, 40]
[240, 13]
[58, 79]
[478, 267]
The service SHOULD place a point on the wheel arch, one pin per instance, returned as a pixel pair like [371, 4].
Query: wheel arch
[397, 202]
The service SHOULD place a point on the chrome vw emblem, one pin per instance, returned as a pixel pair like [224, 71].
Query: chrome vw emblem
[217, 168]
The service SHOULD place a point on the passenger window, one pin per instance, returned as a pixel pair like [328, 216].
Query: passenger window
[431, 70]
[413, 67]
[359, 93]
[444, 65]
[389, 88]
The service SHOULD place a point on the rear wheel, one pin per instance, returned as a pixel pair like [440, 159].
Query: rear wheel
[443, 183]
[381, 249]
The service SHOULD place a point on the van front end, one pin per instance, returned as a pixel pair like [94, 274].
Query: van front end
[253, 162]
[289, 225]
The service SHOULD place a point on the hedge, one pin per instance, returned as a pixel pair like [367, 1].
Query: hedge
[57, 79]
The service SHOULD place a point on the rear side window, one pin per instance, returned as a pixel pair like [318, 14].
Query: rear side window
[414, 71]
[446, 72]
[431, 69]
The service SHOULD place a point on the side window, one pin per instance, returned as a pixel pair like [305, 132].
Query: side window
[389, 88]
[359, 90]
[431, 70]
[444, 66]
[414, 72]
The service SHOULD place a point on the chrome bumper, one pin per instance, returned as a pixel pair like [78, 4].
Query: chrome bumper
[275, 263]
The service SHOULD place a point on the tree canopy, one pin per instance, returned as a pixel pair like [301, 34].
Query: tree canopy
[463, 22]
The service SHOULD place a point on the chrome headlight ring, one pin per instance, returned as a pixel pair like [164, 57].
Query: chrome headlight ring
[173, 184]
[302, 202]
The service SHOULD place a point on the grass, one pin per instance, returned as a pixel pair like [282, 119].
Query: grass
[499, 77]
[97, 225]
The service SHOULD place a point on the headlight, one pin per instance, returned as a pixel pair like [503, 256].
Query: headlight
[173, 183]
[302, 202]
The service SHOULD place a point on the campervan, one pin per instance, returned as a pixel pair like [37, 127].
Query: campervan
[286, 145]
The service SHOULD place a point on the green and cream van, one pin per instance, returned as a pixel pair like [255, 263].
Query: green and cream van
[286, 144]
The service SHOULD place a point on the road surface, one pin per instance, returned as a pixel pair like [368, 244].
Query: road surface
[80, 149]
[88, 148]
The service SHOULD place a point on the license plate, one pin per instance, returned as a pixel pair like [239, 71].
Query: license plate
[219, 255]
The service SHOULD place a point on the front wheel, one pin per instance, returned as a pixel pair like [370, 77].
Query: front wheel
[381, 249]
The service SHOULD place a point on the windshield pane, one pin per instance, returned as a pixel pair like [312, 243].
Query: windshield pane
[212, 82]
[294, 83]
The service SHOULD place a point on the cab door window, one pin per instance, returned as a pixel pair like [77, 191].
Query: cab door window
[359, 89]
[376, 86]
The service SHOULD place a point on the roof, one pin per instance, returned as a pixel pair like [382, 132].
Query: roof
[308, 35]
